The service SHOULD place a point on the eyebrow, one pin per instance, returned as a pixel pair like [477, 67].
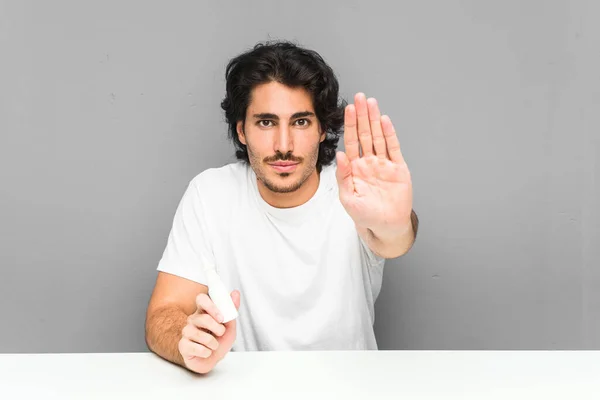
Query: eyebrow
[300, 114]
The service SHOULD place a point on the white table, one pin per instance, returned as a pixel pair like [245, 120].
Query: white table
[286, 375]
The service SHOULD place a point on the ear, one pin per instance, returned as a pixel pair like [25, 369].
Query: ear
[323, 135]
[240, 131]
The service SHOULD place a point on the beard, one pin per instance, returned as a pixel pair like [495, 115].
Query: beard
[291, 181]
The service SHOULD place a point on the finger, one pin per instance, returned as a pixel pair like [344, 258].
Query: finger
[205, 303]
[231, 326]
[350, 134]
[230, 333]
[375, 124]
[364, 130]
[205, 321]
[236, 297]
[199, 336]
[190, 349]
[343, 173]
[391, 140]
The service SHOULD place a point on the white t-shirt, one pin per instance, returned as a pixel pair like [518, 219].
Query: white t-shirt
[306, 278]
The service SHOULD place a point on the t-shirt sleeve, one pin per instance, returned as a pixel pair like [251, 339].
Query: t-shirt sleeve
[188, 245]
[375, 267]
[372, 258]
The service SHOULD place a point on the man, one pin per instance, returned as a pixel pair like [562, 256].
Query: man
[301, 238]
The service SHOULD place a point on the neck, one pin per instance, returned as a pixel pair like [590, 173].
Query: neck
[292, 199]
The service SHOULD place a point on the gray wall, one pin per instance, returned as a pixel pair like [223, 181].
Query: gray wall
[108, 109]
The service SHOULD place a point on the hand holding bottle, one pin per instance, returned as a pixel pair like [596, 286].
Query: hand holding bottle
[206, 339]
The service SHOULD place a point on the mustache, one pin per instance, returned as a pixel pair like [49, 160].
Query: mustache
[283, 157]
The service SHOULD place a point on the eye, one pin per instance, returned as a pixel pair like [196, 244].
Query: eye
[305, 121]
[260, 123]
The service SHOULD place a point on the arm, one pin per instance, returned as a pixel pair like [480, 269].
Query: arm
[184, 326]
[172, 300]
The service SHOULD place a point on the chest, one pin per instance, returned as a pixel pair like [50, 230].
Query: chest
[300, 257]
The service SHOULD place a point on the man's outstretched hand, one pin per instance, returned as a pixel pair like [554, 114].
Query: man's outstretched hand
[375, 187]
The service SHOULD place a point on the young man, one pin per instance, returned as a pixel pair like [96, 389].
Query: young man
[301, 238]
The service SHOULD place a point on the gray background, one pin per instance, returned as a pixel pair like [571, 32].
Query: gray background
[109, 108]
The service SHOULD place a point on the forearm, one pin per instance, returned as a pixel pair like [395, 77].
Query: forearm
[163, 332]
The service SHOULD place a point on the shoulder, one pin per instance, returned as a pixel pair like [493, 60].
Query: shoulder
[218, 183]
[221, 177]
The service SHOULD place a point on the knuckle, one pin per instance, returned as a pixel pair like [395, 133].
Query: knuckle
[210, 341]
[205, 319]
[208, 322]
[204, 352]
[190, 319]
[185, 332]
[182, 347]
[202, 337]
[201, 299]
[210, 308]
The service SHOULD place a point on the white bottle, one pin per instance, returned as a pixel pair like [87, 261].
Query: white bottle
[219, 294]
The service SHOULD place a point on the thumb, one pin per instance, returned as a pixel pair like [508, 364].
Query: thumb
[236, 297]
[231, 326]
[344, 173]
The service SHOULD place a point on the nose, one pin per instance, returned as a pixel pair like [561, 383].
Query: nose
[284, 142]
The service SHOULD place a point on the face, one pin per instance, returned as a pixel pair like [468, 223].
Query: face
[282, 135]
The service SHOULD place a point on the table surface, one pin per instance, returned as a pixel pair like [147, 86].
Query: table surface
[324, 374]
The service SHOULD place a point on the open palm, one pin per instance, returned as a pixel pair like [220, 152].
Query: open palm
[375, 186]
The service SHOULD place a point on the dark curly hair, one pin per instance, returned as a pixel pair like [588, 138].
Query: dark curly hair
[289, 64]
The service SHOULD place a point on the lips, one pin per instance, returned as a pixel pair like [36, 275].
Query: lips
[282, 166]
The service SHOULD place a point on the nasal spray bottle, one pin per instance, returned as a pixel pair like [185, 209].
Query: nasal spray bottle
[219, 293]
